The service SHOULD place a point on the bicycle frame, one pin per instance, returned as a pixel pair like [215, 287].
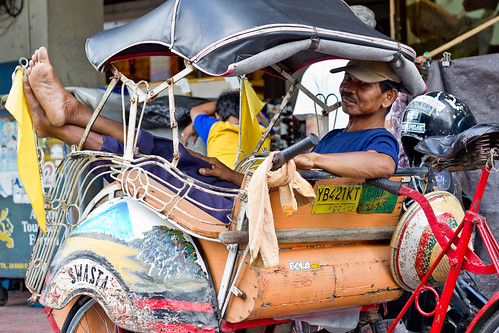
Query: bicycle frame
[457, 262]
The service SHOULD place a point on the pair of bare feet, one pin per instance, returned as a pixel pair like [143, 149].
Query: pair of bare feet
[50, 105]
[56, 113]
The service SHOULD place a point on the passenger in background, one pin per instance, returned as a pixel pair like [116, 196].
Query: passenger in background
[217, 123]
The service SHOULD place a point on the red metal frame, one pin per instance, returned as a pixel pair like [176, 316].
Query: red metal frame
[50, 318]
[460, 258]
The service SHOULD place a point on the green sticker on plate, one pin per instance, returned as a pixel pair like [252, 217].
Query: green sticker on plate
[375, 200]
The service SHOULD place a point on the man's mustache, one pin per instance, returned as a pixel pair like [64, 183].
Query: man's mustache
[350, 97]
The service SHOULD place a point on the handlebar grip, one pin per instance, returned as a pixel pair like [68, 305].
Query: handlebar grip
[385, 184]
[299, 147]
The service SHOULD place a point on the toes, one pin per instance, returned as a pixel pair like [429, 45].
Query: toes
[43, 55]
[40, 56]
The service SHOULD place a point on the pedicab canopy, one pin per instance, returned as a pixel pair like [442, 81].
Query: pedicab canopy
[235, 37]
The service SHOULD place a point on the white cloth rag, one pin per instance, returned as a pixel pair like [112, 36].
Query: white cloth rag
[263, 246]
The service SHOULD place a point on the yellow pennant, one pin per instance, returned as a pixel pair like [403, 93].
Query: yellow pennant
[27, 160]
[250, 129]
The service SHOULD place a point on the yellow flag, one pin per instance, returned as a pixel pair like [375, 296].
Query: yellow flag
[27, 160]
[250, 129]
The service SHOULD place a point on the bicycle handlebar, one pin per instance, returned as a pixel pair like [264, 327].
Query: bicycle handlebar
[300, 147]
[385, 184]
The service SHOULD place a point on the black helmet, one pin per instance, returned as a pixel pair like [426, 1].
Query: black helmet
[431, 114]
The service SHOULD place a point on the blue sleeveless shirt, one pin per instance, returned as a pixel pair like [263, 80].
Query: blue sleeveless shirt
[377, 139]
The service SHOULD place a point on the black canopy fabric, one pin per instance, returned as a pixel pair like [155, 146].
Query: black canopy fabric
[235, 37]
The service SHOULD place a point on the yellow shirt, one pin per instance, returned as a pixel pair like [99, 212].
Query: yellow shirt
[223, 141]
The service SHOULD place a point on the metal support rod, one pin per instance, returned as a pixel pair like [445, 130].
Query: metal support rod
[462, 246]
[173, 124]
[97, 111]
[239, 269]
[174, 79]
[229, 268]
[129, 140]
[129, 83]
[274, 119]
[296, 84]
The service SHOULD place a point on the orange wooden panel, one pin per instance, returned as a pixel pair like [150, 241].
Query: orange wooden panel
[304, 218]
[314, 279]
[60, 315]
[215, 255]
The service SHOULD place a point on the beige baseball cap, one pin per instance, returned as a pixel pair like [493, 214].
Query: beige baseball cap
[369, 71]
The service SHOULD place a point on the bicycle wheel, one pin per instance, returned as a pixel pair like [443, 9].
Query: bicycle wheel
[87, 316]
[491, 325]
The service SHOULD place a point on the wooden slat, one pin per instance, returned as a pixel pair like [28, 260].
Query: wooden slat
[313, 235]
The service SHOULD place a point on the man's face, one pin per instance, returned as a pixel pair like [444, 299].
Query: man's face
[360, 98]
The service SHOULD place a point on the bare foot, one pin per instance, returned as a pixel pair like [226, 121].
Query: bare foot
[49, 91]
[40, 121]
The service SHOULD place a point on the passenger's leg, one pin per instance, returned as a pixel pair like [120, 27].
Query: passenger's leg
[71, 134]
[62, 108]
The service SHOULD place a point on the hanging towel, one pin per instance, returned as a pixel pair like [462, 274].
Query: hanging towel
[293, 191]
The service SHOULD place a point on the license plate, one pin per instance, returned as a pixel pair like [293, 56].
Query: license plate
[336, 198]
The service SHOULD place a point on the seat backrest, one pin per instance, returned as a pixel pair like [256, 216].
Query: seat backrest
[177, 209]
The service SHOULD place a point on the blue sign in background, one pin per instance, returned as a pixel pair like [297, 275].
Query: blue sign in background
[18, 225]
[6, 70]
[18, 230]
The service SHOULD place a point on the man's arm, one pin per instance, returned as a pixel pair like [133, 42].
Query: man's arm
[205, 108]
[361, 164]
[190, 131]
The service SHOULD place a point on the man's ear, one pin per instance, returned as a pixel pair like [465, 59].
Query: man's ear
[390, 97]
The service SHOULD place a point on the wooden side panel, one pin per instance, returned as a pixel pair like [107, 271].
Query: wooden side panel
[317, 277]
[215, 255]
[314, 279]
[304, 218]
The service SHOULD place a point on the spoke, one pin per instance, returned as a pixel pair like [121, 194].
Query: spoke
[104, 319]
[80, 324]
[92, 318]
[86, 320]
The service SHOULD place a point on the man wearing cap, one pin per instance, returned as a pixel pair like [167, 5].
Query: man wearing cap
[364, 148]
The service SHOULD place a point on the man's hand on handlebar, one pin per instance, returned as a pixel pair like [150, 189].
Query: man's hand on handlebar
[304, 162]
